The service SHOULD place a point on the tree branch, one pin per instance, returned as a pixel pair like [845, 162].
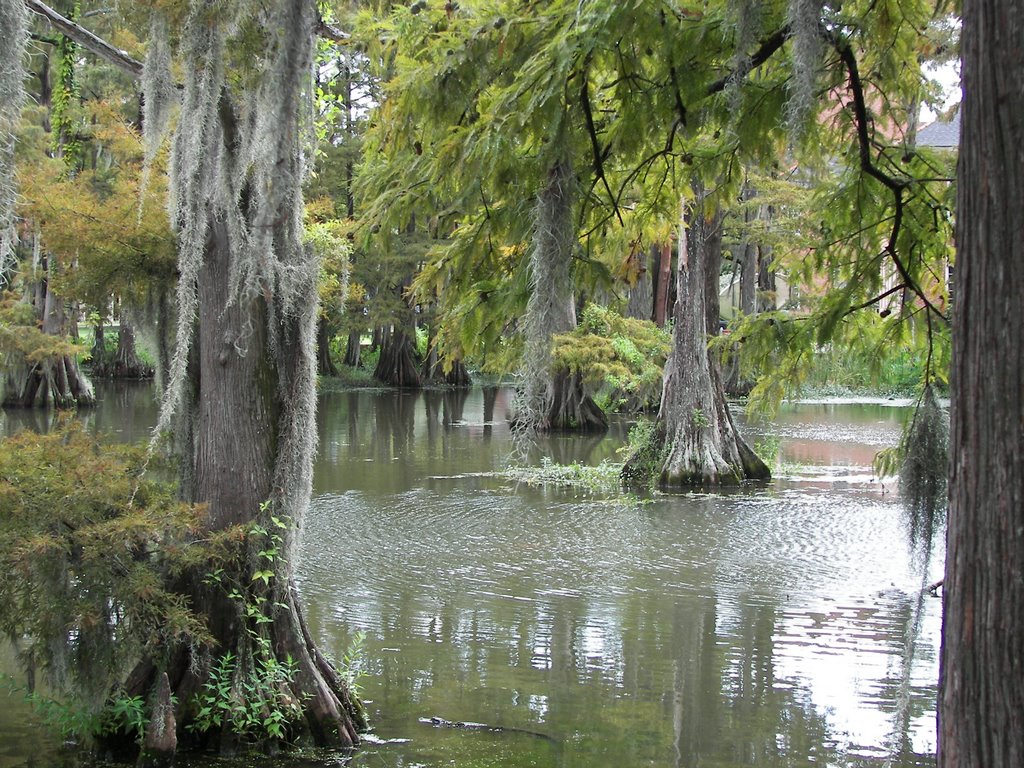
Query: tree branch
[87, 39]
[330, 32]
[768, 47]
[588, 113]
[120, 58]
[894, 185]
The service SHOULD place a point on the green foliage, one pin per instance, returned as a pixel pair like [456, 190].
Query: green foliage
[921, 459]
[351, 666]
[254, 703]
[699, 419]
[109, 237]
[768, 448]
[250, 693]
[422, 342]
[621, 357]
[88, 543]
[645, 453]
[600, 479]
[21, 338]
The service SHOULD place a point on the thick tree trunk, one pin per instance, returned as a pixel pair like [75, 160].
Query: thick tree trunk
[57, 379]
[572, 409]
[981, 699]
[99, 362]
[662, 288]
[434, 371]
[696, 433]
[767, 289]
[236, 433]
[353, 349]
[746, 253]
[641, 291]
[551, 398]
[127, 364]
[396, 365]
[324, 362]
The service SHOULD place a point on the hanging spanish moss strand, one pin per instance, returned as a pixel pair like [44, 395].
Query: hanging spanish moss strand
[923, 474]
[247, 172]
[13, 35]
[279, 137]
[159, 96]
[549, 309]
[746, 17]
[806, 41]
[196, 156]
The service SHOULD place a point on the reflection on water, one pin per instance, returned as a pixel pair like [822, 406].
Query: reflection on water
[773, 627]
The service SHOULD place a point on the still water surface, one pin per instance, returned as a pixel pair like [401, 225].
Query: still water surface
[778, 626]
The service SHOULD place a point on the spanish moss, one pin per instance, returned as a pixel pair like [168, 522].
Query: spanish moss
[550, 308]
[158, 95]
[923, 472]
[245, 173]
[806, 42]
[13, 34]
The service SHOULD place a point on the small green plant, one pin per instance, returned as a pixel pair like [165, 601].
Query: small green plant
[126, 714]
[422, 342]
[645, 454]
[120, 714]
[250, 693]
[253, 703]
[603, 478]
[351, 668]
[768, 449]
[700, 419]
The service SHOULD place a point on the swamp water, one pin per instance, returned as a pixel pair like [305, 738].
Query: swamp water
[781, 625]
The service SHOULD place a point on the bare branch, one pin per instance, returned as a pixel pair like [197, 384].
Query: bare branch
[329, 32]
[87, 39]
[120, 58]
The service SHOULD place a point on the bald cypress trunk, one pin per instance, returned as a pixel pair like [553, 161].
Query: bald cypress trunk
[550, 397]
[241, 395]
[981, 699]
[396, 365]
[57, 379]
[696, 440]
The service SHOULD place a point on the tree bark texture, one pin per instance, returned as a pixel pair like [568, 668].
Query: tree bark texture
[701, 441]
[551, 398]
[353, 349]
[663, 286]
[325, 363]
[57, 379]
[397, 363]
[235, 435]
[981, 689]
[640, 304]
[127, 363]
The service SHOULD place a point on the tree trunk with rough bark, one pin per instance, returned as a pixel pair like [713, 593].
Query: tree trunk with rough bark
[235, 435]
[241, 397]
[127, 363]
[324, 362]
[57, 379]
[434, 371]
[99, 359]
[552, 398]
[640, 304]
[696, 440]
[396, 365]
[353, 349]
[663, 287]
[981, 698]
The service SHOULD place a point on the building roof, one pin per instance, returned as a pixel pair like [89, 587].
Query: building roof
[941, 135]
